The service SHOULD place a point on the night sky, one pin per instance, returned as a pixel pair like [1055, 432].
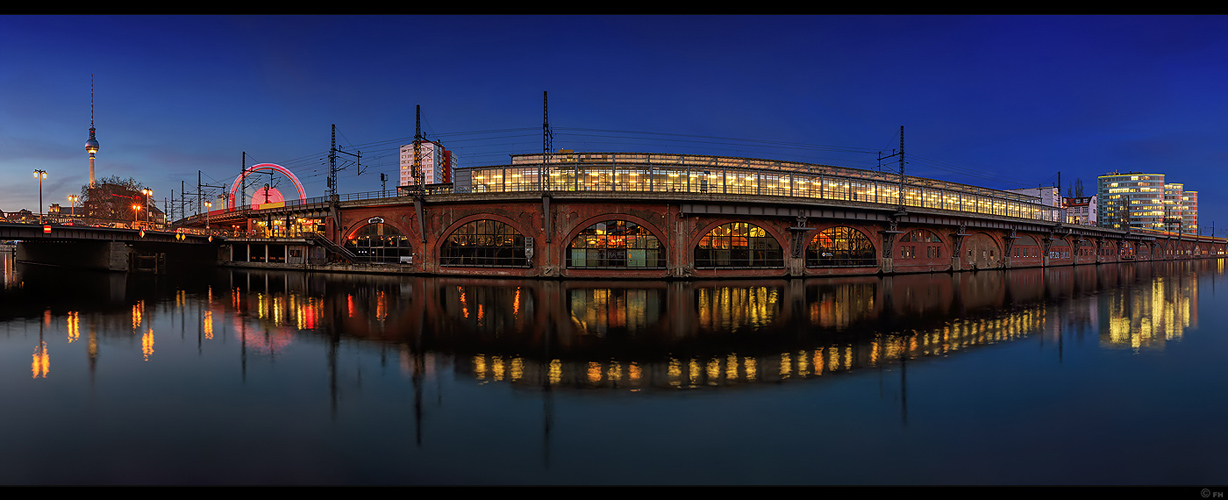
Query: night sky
[997, 101]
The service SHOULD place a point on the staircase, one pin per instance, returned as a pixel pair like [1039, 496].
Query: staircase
[345, 253]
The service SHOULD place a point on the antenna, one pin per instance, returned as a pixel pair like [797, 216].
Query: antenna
[419, 177]
[332, 163]
[91, 144]
[547, 141]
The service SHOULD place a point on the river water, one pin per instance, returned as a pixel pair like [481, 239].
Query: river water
[1090, 375]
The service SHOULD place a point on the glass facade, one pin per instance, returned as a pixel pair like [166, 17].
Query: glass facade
[484, 243]
[738, 244]
[643, 172]
[840, 246]
[615, 243]
[1137, 201]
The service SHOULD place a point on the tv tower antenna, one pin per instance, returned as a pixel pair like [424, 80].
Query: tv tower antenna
[91, 144]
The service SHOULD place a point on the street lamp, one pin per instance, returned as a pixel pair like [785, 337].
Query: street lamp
[208, 205]
[136, 209]
[72, 198]
[147, 192]
[40, 175]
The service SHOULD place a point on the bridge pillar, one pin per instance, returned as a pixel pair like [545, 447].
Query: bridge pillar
[103, 255]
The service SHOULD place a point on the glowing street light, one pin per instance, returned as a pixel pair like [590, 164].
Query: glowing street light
[208, 205]
[136, 209]
[40, 175]
[72, 198]
[147, 192]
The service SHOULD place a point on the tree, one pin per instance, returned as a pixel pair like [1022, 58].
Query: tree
[112, 199]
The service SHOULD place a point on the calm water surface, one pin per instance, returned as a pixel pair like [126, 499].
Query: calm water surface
[1108, 375]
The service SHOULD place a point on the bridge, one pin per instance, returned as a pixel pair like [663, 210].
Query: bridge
[106, 248]
[642, 215]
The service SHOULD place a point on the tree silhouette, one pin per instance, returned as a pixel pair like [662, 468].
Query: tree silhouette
[112, 198]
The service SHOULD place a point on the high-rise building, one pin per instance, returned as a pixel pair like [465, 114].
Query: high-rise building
[437, 163]
[1174, 206]
[1189, 219]
[1133, 200]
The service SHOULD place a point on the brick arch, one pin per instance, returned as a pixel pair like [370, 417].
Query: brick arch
[876, 242]
[981, 250]
[1027, 239]
[1142, 250]
[707, 228]
[437, 245]
[359, 224]
[584, 224]
[1056, 246]
[768, 229]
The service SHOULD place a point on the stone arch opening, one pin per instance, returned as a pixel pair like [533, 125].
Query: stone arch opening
[615, 243]
[379, 242]
[738, 244]
[484, 243]
[840, 246]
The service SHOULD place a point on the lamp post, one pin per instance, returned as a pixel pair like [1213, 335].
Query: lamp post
[72, 198]
[136, 209]
[40, 175]
[147, 192]
[208, 205]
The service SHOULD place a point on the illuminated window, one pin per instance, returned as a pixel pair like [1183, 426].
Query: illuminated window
[738, 244]
[379, 243]
[484, 243]
[615, 243]
[840, 246]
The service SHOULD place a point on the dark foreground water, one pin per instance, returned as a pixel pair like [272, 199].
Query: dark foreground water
[1109, 375]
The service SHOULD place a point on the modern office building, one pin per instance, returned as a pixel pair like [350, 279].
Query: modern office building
[1132, 200]
[1189, 219]
[1174, 206]
[437, 163]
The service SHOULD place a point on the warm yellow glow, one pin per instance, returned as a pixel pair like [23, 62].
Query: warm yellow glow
[147, 343]
[74, 326]
[517, 371]
[42, 363]
[556, 371]
[594, 372]
[479, 367]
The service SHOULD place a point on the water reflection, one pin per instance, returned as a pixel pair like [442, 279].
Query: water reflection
[630, 335]
[267, 357]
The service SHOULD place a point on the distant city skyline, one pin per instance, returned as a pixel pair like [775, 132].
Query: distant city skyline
[1004, 102]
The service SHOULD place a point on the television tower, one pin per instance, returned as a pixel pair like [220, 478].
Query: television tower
[91, 145]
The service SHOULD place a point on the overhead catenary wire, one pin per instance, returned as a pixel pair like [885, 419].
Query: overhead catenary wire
[494, 146]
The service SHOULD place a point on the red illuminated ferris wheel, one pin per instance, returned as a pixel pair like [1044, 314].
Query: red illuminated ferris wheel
[258, 185]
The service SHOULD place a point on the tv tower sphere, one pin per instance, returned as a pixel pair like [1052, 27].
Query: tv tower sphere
[91, 145]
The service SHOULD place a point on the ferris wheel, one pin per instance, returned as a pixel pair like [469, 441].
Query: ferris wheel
[263, 185]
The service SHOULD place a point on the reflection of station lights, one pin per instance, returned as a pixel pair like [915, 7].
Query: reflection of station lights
[730, 369]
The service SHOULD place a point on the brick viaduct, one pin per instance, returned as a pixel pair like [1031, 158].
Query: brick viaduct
[954, 241]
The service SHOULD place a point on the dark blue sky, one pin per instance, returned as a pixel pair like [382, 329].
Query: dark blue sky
[997, 101]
